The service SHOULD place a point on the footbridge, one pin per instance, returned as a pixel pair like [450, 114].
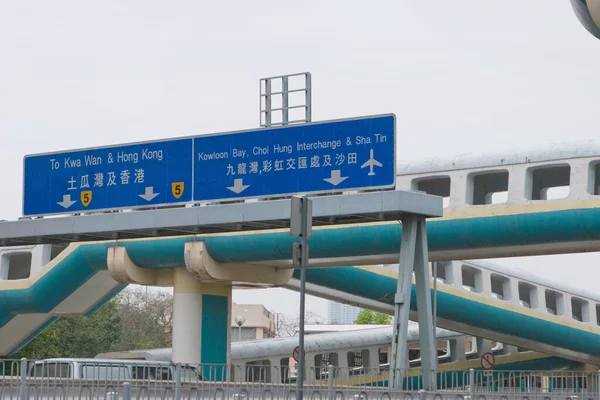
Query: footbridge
[502, 304]
[495, 303]
[497, 206]
[536, 202]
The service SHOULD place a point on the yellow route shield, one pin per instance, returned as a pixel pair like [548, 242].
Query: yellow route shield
[86, 198]
[177, 189]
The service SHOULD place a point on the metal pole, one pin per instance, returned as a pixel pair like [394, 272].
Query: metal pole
[301, 225]
[406, 264]
[301, 327]
[126, 391]
[424, 308]
[597, 384]
[435, 265]
[303, 263]
[308, 99]
[284, 101]
[434, 306]
[330, 382]
[268, 102]
[472, 383]
[23, 379]
[178, 381]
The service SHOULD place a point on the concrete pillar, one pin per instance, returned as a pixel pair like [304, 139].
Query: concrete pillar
[202, 301]
[201, 324]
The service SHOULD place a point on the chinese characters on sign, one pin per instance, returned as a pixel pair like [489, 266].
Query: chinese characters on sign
[355, 154]
[108, 178]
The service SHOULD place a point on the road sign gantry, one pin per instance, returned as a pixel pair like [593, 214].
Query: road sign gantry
[323, 157]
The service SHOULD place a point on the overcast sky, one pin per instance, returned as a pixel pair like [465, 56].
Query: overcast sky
[459, 75]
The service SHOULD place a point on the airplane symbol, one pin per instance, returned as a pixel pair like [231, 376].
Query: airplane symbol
[370, 163]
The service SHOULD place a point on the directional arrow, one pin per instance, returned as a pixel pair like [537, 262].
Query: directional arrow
[66, 201]
[149, 193]
[336, 177]
[238, 187]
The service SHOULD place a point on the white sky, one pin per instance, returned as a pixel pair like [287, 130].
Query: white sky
[461, 76]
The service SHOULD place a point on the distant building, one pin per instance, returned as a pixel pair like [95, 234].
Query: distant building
[343, 314]
[257, 322]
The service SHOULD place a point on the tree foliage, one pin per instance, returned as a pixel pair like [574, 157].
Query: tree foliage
[288, 326]
[368, 317]
[76, 336]
[134, 319]
[146, 319]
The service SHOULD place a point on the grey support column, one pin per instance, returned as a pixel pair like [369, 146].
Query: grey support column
[398, 360]
[413, 257]
[426, 332]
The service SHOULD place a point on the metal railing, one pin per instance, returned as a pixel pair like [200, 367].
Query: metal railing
[129, 379]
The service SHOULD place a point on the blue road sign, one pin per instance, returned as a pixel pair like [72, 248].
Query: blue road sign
[323, 157]
[134, 175]
[312, 158]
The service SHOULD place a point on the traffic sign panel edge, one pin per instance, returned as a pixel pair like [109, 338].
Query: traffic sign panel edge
[192, 138]
[266, 196]
[184, 142]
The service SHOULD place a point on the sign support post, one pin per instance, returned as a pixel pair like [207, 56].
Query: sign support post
[301, 226]
[435, 277]
[413, 257]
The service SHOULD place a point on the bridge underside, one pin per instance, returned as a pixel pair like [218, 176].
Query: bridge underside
[37, 298]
